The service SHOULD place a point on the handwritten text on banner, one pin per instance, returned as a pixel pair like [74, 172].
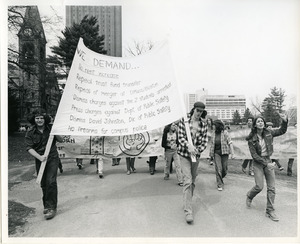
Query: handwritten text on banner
[114, 96]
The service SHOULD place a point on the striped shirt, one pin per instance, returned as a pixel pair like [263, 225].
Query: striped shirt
[199, 137]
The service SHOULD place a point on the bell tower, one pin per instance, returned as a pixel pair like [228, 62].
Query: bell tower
[32, 59]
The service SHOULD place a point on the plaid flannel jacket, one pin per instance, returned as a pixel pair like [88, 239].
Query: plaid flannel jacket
[199, 140]
[225, 142]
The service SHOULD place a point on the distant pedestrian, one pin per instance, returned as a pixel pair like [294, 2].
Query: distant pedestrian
[152, 164]
[116, 161]
[221, 147]
[36, 140]
[130, 165]
[260, 142]
[99, 166]
[170, 143]
[198, 127]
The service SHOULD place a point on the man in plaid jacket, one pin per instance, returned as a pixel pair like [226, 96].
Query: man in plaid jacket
[198, 129]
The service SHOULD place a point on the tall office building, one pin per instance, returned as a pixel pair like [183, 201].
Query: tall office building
[224, 106]
[109, 20]
[191, 98]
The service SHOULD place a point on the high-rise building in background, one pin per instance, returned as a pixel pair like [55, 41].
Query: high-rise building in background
[191, 98]
[224, 106]
[217, 106]
[109, 20]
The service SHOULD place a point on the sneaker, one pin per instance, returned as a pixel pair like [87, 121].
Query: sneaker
[189, 218]
[248, 202]
[166, 177]
[272, 216]
[180, 184]
[133, 170]
[211, 163]
[50, 214]
[101, 176]
[128, 172]
[281, 168]
[252, 173]
[220, 189]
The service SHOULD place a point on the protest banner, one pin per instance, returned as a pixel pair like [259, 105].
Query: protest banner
[138, 145]
[112, 96]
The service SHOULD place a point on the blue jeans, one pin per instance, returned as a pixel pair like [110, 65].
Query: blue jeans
[169, 155]
[221, 162]
[189, 172]
[49, 182]
[259, 172]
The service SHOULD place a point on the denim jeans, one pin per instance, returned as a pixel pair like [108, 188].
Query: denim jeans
[169, 155]
[49, 182]
[259, 172]
[221, 162]
[190, 172]
[99, 165]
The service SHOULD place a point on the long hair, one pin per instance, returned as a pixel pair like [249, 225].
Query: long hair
[203, 115]
[254, 129]
[36, 113]
[167, 127]
[219, 126]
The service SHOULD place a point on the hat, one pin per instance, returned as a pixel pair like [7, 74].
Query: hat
[269, 124]
[199, 105]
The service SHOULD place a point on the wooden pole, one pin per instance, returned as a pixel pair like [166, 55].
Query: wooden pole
[188, 134]
[43, 164]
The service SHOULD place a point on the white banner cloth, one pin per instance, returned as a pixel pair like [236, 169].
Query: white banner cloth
[112, 96]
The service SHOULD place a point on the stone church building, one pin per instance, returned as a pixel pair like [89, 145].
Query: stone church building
[33, 82]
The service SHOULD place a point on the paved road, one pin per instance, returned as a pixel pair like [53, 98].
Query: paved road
[144, 205]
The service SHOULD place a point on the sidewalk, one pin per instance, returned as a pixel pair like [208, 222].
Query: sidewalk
[144, 205]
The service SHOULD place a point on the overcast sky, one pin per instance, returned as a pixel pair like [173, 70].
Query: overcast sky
[229, 47]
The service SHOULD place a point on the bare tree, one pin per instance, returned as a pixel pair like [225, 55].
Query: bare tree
[139, 48]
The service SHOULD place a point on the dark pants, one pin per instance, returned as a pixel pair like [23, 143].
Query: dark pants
[152, 162]
[49, 182]
[221, 162]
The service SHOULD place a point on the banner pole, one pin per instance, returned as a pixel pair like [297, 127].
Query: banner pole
[43, 164]
[188, 134]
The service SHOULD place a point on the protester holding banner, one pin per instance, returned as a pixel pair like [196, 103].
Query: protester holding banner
[221, 147]
[36, 140]
[198, 126]
[248, 160]
[130, 165]
[116, 161]
[99, 166]
[170, 143]
[260, 142]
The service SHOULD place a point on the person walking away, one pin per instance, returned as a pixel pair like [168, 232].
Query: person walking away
[221, 147]
[260, 142]
[36, 140]
[248, 160]
[198, 127]
[169, 143]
